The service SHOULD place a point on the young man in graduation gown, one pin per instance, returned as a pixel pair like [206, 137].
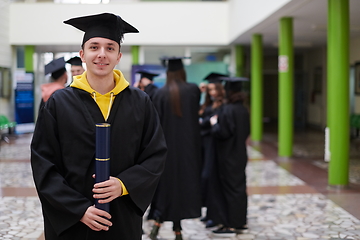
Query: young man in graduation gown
[146, 82]
[76, 66]
[231, 128]
[63, 145]
[178, 195]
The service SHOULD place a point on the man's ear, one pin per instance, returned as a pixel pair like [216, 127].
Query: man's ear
[81, 53]
[119, 57]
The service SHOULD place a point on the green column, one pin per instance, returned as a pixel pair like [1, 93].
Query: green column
[338, 91]
[256, 88]
[240, 60]
[135, 54]
[286, 85]
[29, 63]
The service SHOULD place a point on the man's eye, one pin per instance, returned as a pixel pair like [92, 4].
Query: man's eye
[93, 47]
[110, 48]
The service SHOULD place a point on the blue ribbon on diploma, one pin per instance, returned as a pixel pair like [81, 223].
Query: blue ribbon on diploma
[102, 159]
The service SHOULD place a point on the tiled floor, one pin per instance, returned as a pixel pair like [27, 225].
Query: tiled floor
[288, 198]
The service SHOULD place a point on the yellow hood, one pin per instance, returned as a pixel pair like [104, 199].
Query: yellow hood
[80, 81]
[103, 101]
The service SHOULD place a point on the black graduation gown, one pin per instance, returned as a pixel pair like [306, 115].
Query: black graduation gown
[208, 154]
[178, 194]
[62, 159]
[151, 89]
[231, 132]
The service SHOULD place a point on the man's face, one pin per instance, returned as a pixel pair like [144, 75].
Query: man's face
[76, 70]
[100, 55]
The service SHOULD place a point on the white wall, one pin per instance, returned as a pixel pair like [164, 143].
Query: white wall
[5, 55]
[245, 14]
[5, 49]
[159, 23]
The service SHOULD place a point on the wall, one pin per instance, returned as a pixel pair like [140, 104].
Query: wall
[5, 59]
[159, 23]
[355, 57]
[316, 109]
[245, 14]
[5, 49]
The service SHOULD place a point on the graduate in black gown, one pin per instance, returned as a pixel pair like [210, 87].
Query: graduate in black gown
[178, 195]
[76, 66]
[214, 98]
[231, 128]
[58, 79]
[63, 144]
[146, 82]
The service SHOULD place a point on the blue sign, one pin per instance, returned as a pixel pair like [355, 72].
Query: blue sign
[24, 98]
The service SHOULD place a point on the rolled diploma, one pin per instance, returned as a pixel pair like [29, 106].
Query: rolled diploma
[102, 159]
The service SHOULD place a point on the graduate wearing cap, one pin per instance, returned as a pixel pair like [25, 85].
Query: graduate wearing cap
[231, 128]
[146, 82]
[63, 144]
[215, 96]
[178, 195]
[76, 66]
[58, 79]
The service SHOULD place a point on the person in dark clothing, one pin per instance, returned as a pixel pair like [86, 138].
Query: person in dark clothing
[146, 82]
[58, 76]
[231, 128]
[214, 98]
[63, 144]
[178, 194]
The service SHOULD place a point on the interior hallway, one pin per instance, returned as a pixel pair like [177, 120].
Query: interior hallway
[288, 198]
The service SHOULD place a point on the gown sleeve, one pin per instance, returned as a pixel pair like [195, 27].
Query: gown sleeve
[225, 127]
[232, 120]
[62, 205]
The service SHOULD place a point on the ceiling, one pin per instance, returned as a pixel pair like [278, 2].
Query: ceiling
[309, 24]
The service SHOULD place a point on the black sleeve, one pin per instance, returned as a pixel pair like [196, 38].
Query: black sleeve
[225, 128]
[62, 205]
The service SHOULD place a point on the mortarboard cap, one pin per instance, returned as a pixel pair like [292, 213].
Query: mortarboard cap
[75, 61]
[148, 75]
[215, 77]
[173, 63]
[105, 25]
[233, 83]
[56, 68]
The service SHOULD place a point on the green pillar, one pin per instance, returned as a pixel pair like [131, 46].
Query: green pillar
[135, 54]
[256, 88]
[29, 63]
[286, 85]
[338, 91]
[240, 60]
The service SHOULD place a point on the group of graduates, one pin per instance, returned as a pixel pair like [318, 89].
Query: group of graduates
[161, 154]
[206, 161]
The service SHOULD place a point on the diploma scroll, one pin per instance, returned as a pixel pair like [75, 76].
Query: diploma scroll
[102, 159]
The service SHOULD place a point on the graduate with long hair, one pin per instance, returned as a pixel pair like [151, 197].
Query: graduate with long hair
[214, 98]
[178, 194]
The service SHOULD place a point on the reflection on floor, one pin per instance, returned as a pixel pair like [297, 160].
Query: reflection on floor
[283, 201]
